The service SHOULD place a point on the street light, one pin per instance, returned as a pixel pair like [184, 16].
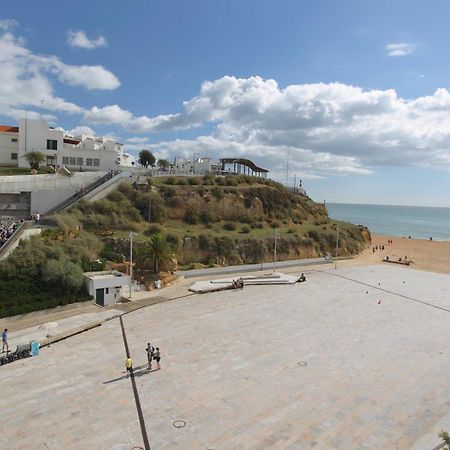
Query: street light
[131, 260]
[337, 245]
[275, 248]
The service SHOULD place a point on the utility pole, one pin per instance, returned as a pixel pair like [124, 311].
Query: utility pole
[149, 209]
[337, 246]
[131, 261]
[275, 249]
[287, 167]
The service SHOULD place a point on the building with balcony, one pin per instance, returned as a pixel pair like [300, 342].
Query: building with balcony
[76, 153]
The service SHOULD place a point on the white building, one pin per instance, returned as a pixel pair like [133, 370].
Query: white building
[106, 287]
[198, 166]
[79, 152]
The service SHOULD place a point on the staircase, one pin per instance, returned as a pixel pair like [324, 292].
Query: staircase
[79, 195]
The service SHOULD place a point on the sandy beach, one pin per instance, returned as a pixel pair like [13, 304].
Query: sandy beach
[432, 256]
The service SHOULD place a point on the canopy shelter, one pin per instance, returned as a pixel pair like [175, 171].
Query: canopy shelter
[243, 166]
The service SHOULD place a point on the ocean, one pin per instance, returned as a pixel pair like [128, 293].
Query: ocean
[419, 222]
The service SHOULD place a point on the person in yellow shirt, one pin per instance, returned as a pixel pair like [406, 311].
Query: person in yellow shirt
[128, 365]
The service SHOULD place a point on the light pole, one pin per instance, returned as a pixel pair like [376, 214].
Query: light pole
[337, 245]
[131, 260]
[275, 249]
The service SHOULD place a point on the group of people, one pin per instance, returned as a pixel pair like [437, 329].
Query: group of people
[6, 231]
[378, 247]
[238, 284]
[153, 354]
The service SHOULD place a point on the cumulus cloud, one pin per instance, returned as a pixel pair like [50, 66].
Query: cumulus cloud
[137, 140]
[400, 49]
[7, 24]
[81, 130]
[25, 79]
[108, 115]
[90, 77]
[327, 128]
[79, 39]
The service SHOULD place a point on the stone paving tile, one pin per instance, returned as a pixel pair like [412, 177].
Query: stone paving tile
[376, 374]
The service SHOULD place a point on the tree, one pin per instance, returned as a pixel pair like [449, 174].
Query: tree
[159, 251]
[35, 158]
[163, 164]
[146, 158]
[446, 438]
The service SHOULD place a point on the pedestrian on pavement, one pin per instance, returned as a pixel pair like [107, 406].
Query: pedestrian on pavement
[157, 358]
[5, 341]
[150, 352]
[128, 365]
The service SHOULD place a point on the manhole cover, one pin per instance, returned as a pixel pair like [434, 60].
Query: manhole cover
[179, 423]
[302, 363]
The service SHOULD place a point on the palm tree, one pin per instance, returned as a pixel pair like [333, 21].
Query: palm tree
[446, 438]
[159, 250]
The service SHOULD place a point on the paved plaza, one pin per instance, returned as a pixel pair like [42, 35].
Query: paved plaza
[357, 358]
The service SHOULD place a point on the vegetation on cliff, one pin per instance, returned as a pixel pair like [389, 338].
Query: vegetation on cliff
[179, 222]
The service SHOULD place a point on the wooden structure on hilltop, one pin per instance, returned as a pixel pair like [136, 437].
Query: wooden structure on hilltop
[243, 166]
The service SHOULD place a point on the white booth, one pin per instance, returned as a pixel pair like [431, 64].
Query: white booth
[106, 287]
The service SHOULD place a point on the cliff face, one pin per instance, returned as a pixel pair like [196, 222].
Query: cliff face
[232, 220]
[220, 220]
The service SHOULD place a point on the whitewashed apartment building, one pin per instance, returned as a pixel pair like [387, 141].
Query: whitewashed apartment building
[80, 152]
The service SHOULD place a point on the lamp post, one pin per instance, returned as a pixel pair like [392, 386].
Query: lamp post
[275, 248]
[337, 245]
[131, 260]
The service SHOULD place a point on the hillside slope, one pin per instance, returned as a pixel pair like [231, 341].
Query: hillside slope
[220, 220]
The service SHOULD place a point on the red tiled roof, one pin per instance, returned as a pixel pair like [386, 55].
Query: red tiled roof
[8, 129]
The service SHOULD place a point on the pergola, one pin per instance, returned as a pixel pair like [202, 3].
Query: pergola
[244, 166]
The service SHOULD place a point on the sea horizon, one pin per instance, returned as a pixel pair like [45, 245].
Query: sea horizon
[417, 222]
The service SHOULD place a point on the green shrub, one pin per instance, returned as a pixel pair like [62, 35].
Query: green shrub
[245, 229]
[191, 217]
[193, 181]
[229, 226]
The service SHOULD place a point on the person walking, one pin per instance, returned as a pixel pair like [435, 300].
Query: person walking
[128, 365]
[5, 341]
[150, 352]
[157, 358]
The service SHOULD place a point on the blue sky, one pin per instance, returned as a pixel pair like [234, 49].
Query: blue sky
[356, 93]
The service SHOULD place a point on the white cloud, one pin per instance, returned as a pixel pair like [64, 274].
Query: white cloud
[90, 77]
[25, 79]
[108, 114]
[7, 24]
[137, 140]
[79, 39]
[328, 128]
[81, 130]
[400, 49]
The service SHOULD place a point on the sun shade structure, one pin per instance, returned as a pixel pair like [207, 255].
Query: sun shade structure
[244, 166]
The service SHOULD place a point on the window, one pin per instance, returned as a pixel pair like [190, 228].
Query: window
[79, 161]
[96, 162]
[13, 155]
[107, 290]
[13, 139]
[89, 161]
[65, 160]
[52, 144]
[72, 161]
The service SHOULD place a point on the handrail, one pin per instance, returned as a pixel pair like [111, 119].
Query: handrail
[15, 236]
[77, 196]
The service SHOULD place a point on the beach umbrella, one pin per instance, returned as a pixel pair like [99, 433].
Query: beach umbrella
[48, 326]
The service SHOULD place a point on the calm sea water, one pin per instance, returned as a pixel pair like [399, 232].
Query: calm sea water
[415, 221]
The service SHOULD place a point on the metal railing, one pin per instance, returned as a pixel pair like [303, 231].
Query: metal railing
[15, 236]
[79, 195]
